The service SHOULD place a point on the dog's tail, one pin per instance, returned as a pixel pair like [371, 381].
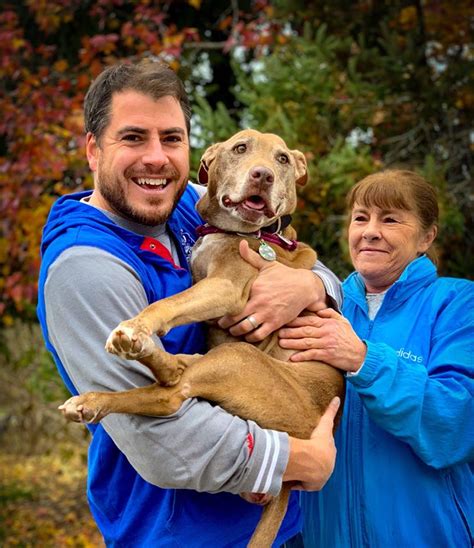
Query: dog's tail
[272, 516]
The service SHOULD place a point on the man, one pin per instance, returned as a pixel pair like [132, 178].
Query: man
[107, 255]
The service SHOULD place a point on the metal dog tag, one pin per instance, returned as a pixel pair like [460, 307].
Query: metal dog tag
[266, 251]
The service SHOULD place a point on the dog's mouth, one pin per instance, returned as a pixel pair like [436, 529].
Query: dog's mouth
[252, 207]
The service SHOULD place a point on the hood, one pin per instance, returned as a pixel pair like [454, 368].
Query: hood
[69, 212]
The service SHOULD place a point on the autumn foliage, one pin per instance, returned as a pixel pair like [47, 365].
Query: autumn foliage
[356, 85]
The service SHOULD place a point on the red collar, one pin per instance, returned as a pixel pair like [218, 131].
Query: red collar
[273, 238]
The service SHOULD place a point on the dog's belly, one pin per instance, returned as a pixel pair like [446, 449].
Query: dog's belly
[289, 397]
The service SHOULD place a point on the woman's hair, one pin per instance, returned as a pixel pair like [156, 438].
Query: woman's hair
[398, 189]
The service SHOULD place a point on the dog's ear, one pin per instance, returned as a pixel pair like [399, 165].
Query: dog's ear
[301, 167]
[206, 160]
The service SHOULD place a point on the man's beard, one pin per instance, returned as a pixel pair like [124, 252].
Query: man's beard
[114, 194]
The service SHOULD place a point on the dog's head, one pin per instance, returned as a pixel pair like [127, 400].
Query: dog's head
[251, 181]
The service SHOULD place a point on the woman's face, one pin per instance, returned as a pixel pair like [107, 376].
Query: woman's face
[383, 242]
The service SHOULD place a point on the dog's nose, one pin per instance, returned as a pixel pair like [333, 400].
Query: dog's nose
[262, 175]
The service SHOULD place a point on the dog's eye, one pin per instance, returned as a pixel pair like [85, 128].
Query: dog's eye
[283, 159]
[240, 149]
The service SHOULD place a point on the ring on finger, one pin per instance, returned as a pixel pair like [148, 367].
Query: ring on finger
[252, 321]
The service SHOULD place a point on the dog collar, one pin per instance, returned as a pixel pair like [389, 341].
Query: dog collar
[271, 237]
[280, 224]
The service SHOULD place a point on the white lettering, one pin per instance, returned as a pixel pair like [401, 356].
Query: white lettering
[408, 355]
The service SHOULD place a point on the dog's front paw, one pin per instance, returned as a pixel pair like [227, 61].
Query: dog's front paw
[81, 409]
[130, 340]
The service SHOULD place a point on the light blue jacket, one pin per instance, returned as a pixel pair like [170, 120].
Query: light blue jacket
[405, 461]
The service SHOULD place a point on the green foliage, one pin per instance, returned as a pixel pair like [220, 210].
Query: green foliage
[299, 92]
[323, 92]
[209, 126]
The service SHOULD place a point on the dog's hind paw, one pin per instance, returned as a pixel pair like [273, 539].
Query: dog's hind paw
[130, 341]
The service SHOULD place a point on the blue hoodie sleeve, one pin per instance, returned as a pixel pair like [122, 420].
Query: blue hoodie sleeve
[430, 407]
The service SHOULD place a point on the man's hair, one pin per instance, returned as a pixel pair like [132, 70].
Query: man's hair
[155, 79]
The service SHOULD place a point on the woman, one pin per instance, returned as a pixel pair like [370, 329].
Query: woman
[404, 469]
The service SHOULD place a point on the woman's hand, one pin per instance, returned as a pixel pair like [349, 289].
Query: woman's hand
[327, 337]
[277, 296]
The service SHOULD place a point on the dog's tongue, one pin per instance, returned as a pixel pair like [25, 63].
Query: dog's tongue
[254, 202]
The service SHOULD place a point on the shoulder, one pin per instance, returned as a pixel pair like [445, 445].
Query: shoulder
[458, 290]
[200, 190]
[89, 278]
[450, 302]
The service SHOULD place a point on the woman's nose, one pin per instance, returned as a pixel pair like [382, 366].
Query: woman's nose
[372, 231]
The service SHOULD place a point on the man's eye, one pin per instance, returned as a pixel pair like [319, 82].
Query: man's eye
[173, 139]
[240, 149]
[131, 137]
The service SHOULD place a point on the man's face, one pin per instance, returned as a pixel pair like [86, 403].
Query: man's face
[141, 165]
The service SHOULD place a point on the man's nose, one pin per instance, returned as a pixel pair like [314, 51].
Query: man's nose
[154, 153]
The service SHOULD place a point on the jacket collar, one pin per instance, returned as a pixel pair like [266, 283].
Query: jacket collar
[419, 273]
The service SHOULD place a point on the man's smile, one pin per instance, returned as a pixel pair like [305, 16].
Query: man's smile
[151, 183]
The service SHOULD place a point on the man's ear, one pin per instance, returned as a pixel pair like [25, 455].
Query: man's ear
[206, 160]
[92, 151]
[301, 167]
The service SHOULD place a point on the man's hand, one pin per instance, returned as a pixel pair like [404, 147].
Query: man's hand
[262, 499]
[277, 296]
[327, 337]
[312, 461]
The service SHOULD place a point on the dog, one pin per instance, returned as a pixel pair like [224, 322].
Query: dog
[251, 192]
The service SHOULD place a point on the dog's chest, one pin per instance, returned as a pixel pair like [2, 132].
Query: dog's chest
[207, 250]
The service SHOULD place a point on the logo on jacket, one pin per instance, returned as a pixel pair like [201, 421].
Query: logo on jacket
[187, 242]
[408, 355]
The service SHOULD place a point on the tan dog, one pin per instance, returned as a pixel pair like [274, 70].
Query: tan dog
[251, 181]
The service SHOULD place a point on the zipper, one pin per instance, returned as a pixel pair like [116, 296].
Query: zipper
[354, 447]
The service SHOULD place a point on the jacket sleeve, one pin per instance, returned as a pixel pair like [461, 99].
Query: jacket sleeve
[200, 447]
[430, 407]
[331, 283]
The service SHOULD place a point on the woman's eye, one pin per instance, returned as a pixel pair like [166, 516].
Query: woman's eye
[359, 218]
[390, 220]
[240, 149]
[283, 158]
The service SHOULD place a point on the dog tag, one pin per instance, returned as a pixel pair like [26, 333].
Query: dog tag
[266, 251]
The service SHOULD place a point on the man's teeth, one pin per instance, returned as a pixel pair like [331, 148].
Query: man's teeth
[152, 182]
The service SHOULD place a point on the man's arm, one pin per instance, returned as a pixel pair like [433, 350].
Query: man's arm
[331, 286]
[312, 461]
[201, 446]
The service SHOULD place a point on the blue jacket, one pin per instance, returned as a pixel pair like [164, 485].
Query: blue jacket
[129, 511]
[404, 469]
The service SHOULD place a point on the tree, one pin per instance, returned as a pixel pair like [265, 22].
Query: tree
[361, 86]
[356, 85]
[50, 52]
